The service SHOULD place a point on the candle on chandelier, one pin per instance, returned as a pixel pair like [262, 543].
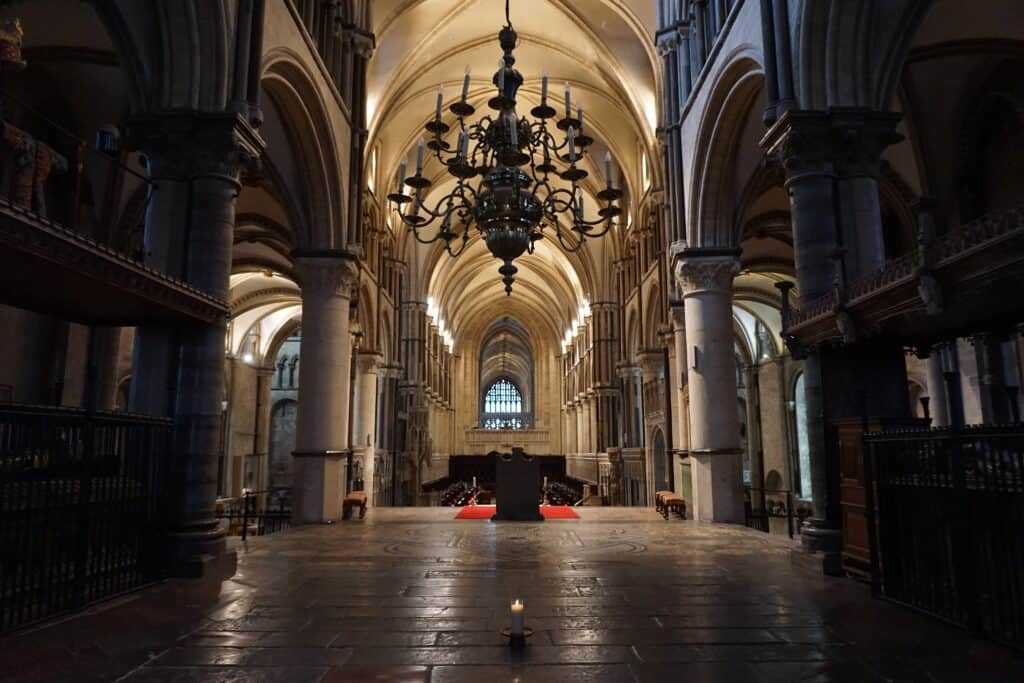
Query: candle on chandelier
[579, 115]
[465, 85]
[544, 90]
[572, 145]
[517, 614]
[419, 156]
[401, 175]
[580, 205]
[568, 100]
[501, 76]
[463, 140]
[608, 167]
[440, 102]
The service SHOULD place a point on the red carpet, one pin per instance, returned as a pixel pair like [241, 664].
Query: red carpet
[486, 511]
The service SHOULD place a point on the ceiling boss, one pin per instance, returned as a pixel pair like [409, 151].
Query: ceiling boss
[505, 166]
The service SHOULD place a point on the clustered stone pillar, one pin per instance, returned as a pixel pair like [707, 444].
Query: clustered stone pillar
[832, 161]
[196, 163]
[705, 277]
[364, 434]
[321, 432]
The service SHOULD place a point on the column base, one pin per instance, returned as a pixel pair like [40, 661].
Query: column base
[200, 554]
[319, 486]
[820, 548]
[717, 475]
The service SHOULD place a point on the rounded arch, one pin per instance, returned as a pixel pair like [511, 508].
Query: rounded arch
[989, 143]
[714, 187]
[318, 205]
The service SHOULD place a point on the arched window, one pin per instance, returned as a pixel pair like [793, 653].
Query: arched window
[504, 403]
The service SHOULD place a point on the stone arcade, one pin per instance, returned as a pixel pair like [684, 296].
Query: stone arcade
[223, 326]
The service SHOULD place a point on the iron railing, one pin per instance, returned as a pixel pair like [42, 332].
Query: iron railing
[258, 513]
[946, 524]
[761, 506]
[82, 508]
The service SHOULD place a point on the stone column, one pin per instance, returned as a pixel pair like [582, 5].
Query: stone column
[197, 162]
[581, 426]
[937, 391]
[705, 277]
[570, 428]
[588, 424]
[261, 440]
[364, 435]
[831, 161]
[651, 365]
[861, 136]
[152, 386]
[321, 432]
[803, 142]
[679, 341]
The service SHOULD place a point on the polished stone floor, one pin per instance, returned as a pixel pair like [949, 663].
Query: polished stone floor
[412, 595]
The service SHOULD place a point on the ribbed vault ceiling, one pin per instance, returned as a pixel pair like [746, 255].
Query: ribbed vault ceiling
[603, 48]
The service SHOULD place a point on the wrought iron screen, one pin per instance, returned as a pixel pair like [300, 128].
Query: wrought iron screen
[81, 508]
[949, 537]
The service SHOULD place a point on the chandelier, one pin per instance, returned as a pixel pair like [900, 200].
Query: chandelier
[506, 168]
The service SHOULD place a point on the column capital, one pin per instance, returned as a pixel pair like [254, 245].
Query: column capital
[627, 370]
[847, 141]
[652, 361]
[369, 362]
[706, 270]
[331, 273]
[187, 144]
[678, 312]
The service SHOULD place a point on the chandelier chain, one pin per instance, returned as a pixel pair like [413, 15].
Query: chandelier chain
[528, 178]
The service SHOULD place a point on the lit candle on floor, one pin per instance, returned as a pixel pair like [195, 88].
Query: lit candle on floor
[517, 619]
[474, 482]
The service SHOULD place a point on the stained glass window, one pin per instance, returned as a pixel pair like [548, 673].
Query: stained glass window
[503, 397]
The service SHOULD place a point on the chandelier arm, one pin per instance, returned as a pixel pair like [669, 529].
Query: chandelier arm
[583, 227]
[565, 245]
[462, 247]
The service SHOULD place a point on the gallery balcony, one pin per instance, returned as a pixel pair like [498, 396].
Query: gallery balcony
[954, 286]
[63, 219]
